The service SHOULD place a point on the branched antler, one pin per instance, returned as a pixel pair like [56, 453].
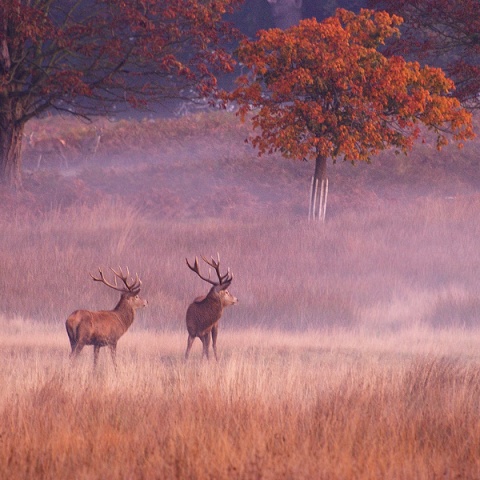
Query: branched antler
[215, 264]
[132, 287]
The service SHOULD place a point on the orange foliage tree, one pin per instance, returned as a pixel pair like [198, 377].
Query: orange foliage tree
[324, 90]
[92, 57]
[441, 33]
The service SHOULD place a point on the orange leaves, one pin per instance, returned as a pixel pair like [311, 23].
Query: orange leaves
[442, 32]
[110, 52]
[325, 89]
[370, 28]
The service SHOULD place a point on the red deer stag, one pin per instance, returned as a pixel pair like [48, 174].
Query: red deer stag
[205, 312]
[105, 327]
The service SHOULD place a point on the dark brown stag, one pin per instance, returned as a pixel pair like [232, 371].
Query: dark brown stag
[105, 327]
[205, 312]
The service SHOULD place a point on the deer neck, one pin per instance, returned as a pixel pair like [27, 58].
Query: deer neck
[214, 299]
[125, 313]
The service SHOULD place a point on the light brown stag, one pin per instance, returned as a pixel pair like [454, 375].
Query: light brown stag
[105, 327]
[205, 312]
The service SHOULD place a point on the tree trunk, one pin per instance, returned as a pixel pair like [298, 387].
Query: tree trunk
[319, 190]
[11, 134]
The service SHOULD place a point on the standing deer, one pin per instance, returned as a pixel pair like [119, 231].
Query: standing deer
[205, 312]
[105, 327]
[52, 147]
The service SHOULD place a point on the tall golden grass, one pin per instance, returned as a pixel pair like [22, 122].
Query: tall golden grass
[330, 366]
[331, 405]
[389, 266]
[353, 353]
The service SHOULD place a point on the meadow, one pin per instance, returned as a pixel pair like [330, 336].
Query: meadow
[352, 354]
[330, 405]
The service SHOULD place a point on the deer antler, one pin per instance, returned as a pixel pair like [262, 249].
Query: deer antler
[132, 287]
[215, 264]
[196, 269]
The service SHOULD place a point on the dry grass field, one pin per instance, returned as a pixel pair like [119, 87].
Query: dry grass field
[330, 405]
[353, 352]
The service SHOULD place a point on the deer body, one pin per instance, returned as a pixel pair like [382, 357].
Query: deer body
[105, 327]
[51, 147]
[204, 312]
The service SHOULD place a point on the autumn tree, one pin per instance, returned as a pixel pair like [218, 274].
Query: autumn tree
[324, 90]
[92, 57]
[442, 33]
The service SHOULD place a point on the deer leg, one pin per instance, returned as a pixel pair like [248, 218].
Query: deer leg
[113, 353]
[206, 344]
[76, 349]
[189, 346]
[96, 351]
[73, 345]
[65, 161]
[214, 341]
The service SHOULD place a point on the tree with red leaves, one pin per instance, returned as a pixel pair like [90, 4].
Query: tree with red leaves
[443, 33]
[91, 57]
[324, 90]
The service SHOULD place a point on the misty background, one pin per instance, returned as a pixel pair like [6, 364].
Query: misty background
[399, 247]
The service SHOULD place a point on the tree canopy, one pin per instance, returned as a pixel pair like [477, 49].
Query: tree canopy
[441, 33]
[91, 57]
[324, 90]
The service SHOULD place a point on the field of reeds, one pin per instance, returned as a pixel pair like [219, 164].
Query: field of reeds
[353, 352]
